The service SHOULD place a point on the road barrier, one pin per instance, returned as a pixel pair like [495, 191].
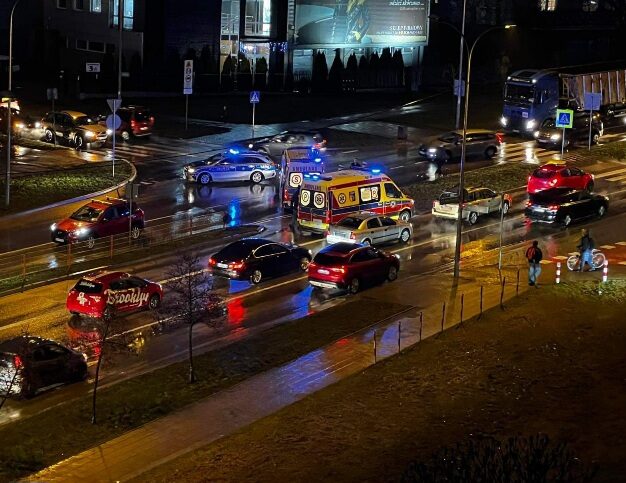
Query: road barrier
[558, 272]
[605, 271]
[29, 266]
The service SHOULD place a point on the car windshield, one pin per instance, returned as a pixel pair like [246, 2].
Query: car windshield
[448, 138]
[87, 213]
[236, 251]
[279, 139]
[548, 123]
[141, 116]
[328, 260]
[84, 121]
[350, 222]
[551, 196]
[450, 197]
[544, 173]
[87, 286]
[216, 158]
[519, 93]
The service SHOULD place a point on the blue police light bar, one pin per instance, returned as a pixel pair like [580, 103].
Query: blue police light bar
[376, 171]
[318, 160]
[233, 151]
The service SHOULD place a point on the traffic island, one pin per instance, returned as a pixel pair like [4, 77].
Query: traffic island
[34, 191]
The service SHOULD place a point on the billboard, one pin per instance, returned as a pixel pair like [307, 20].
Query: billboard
[361, 23]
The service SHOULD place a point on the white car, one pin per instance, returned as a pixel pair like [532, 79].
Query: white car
[369, 229]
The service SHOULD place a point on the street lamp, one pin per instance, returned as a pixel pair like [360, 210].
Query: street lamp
[459, 224]
[7, 187]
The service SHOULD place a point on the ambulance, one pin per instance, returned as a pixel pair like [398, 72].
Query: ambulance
[327, 198]
[295, 162]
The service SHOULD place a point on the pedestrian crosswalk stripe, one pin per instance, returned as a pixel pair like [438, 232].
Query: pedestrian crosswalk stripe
[545, 262]
[617, 178]
[607, 247]
[610, 173]
[621, 263]
[621, 243]
[560, 257]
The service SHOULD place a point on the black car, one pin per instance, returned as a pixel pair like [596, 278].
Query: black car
[29, 365]
[275, 145]
[256, 258]
[564, 205]
[551, 136]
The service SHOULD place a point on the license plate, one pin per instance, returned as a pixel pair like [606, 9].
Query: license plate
[323, 272]
[61, 240]
[222, 265]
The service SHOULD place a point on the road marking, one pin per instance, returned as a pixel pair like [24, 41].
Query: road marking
[610, 173]
[545, 262]
[607, 247]
[617, 178]
[560, 257]
[397, 167]
[350, 152]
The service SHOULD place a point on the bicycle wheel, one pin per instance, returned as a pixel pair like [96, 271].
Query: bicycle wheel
[597, 260]
[572, 262]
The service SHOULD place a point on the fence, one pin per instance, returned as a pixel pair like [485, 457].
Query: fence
[49, 261]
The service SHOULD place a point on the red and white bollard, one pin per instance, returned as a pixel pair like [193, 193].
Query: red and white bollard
[605, 271]
[558, 272]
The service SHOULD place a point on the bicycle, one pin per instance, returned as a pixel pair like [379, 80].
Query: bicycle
[597, 260]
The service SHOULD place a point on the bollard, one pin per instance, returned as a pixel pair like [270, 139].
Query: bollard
[375, 347]
[558, 272]
[502, 293]
[462, 299]
[517, 283]
[421, 320]
[605, 271]
[480, 313]
[399, 333]
[443, 315]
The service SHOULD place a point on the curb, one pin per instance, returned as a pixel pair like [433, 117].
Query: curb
[78, 198]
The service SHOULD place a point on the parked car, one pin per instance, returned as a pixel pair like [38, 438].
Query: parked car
[94, 294]
[559, 175]
[369, 229]
[29, 365]
[565, 206]
[19, 122]
[613, 114]
[275, 145]
[231, 165]
[99, 218]
[352, 266]
[137, 121]
[552, 137]
[255, 259]
[480, 142]
[74, 127]
[477, 202]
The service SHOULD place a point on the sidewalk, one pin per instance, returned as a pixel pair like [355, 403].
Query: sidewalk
[159, 441]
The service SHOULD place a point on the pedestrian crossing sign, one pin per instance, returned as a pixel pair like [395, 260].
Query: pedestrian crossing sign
[564, 118]
[255, 97]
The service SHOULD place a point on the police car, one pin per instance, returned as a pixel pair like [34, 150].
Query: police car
[231, 165]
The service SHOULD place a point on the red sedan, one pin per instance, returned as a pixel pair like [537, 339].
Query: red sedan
[554, 175]
[93, 294]
[351, 266]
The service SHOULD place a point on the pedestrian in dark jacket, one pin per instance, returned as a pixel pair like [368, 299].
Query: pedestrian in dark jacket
[586, 247]
[295, 198]
[534, 256]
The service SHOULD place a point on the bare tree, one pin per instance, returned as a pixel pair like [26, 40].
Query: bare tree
[189, 300]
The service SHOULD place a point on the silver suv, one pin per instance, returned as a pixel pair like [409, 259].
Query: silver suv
[480, 142]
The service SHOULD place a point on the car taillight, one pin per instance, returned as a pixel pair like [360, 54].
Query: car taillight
[528, 203]
[151, 120]
[327, 218]
[352, 236]
[338, 269]
[553, 181]
[499, 137]
[212, 262]
[133, 123]
[553, 207]
[17, 362]
[236, 265]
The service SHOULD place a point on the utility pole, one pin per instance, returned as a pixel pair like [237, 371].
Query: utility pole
[460, 76]
[7, 186]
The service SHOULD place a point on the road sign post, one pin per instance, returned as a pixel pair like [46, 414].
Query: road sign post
[564, 120]
[255, 98]
[187, 87]
[593, 101]
[114, 105]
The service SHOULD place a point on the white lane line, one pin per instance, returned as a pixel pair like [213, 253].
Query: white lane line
[350, 151]
[397, 167]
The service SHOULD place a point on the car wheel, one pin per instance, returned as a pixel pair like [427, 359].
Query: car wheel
[204, 179]
[472, 218]
[392, 274]
[91, 241]
[78, 142]
[490, 152]
[256, 177]
[601, 211]
[256, 277]
[28, 390]
[367, 241]
[595, 138]
[135, 232]
[49, 136]
[126, 136]
[589, 187]
[405, 236]
[405, 216]
[73, 312]
[354, 286]
[304, 264]
[505, 207]
[567, 221]
[154, 302]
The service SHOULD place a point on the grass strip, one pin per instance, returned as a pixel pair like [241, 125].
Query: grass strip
[40, 189]
[44, 439]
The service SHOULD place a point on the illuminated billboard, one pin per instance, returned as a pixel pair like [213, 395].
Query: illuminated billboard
[361, 23]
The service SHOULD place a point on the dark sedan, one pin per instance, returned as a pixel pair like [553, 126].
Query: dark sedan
[275, 145]
[565, 206]
[29, 365]
[255, 259]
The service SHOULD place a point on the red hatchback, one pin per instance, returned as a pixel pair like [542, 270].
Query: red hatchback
[351, 266]
[93, 294]
[554, 175]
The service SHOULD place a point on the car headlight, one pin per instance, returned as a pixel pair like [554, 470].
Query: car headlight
[504, 121]
[53, 227]
[555, 137]
[37, 125]
[536, 134]
[191, 170]
[19, 125]
[432, 150]
[531, 125]
[250, 146]
[81, 231]
[109, 132]
[89, 134]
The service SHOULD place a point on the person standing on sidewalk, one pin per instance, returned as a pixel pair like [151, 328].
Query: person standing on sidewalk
[295, 198]
[586, 250]
[534, 256]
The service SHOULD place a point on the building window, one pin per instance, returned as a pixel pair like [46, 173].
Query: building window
[230, 17]
[81, 44]
[590, 5]
[96, 6]
[547, 5]
[258, 17]
[61, 3]
[129, 10]
[90, 46]
[79, 4]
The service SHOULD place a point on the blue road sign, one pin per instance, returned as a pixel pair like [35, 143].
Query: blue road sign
[255, 97]
[564, 118]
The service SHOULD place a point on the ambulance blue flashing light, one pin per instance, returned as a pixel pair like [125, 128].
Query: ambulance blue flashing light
[376, 170]
[318, 160]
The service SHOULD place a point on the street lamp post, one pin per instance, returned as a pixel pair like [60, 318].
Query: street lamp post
[7, 186]
[459, 92]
